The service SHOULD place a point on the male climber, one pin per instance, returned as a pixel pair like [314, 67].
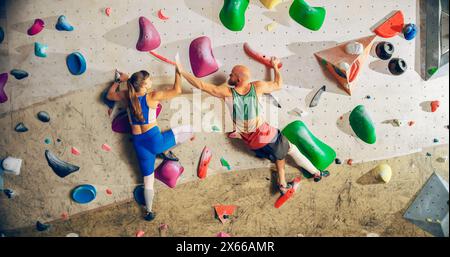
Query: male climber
[242, 97]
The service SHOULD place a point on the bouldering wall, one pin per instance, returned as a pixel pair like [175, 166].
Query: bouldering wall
[80, 119]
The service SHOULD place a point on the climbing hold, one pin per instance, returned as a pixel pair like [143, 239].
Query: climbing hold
[64, 216]
[397, 66]
[202, 58]
[320, 154]
[106, 147]
[410, 31]
[140, 233]
[337, 161]
[41, 226]
[435, 140]
[72, 235]
[75, 151]
[108, 191]
[37, 27]
[84, 194]
[43, 116]
[149, 38]
[316, 98]
[20, 127]
[3, 80]
[271, 27]
[40, 50]
[12, 165]
[61, 168]
[63, 24]
[47, 141]
[9, 193]
[162, 16]
[225, 163]
[432, 70]
[350, 162]
[168, 172]
[399, 123]
[334, 58]
[354, 48]
[383, 172]
[108, 11]
[435, 105]
[215, 128]
[384, 50]
[362, 125]
[298, 112]
[223, 234]
[429, 154]
[19, 74]
[411, 123]
[270, 4]
[289, 193]
[310, 17]
[392, 26]
[121, 123]
[442, 159]
[205, 159]
[232, 14]
[368, 97]
[76, 63]
[261, 58]
[223, 212]
[162, 58]
[2, 35]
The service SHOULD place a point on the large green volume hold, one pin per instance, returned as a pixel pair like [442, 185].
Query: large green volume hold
[232, 14]
[362, 125]
[307, 16]
[318, 153]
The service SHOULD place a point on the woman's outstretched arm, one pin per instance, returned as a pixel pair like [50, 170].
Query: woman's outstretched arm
[170, 93]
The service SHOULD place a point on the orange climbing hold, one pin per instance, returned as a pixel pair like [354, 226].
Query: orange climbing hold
[435, 105]
[392, 26]
[222, 210]
[350, 162]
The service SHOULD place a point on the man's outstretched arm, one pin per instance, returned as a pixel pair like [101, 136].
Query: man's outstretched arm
[267, 87]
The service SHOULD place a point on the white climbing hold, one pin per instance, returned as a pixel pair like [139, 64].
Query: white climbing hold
[355, 48]
[12, 165]
[344, 66]
[383, 172]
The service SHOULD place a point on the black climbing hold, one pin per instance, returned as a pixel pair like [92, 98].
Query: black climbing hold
[384, 50]
[316, 98]
[19, 74]
[436, 140]
[397, 66]
[368, 97]
[43, 116]
[429, 154]
[61, 168]
[42, 227]
[338, 161]
[9, 193]
[21, 128]
[2, 35]
[58, 140]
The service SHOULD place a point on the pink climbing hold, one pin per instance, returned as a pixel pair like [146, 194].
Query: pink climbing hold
[65, 216]
[75, 151]
[149, 38]
[162, 16]
[3, 80]
[108, 11]
[140, 233]
[168, 172]
[223, 234]
[106, 147]
[202, 58]
[37, 27]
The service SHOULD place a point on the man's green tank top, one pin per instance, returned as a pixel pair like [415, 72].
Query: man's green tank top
[245, 107]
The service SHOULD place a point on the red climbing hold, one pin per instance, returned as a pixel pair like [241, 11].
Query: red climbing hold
[75, 151]
[205, 159]
[108, 11]
[435, 105]
[108, 191]
[283, 199]
[106, 147]
[222, 210]
[162, 16]
[140, 233]
[350, 162]
[162, 58]
[223, 234]
[65, 216]
[392, 26]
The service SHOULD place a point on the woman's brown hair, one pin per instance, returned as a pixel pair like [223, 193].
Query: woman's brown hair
[134, 85]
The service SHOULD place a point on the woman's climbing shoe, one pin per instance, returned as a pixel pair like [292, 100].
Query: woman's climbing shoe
[170, 156]
[149, 216]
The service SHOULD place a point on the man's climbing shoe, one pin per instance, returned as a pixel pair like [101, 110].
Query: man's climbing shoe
[318, 177]
[149, 216]
[284, 189]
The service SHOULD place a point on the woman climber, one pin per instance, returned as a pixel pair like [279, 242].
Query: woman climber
[148, 140]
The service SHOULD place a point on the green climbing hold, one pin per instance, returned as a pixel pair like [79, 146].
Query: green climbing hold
[232, 14]
[48, 141]
[432, 70]
[225, 163]
[320, 154]
[310, 17]
[362, 125]
[215, 128]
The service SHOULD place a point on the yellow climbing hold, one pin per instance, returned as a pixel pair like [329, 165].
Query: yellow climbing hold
[383, 172]
[270, 4]
[270, 27]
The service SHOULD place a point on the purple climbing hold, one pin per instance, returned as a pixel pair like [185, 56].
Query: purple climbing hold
[3, 80]
[37, 27]
[121, 123]
[202, 58]
[149, 38]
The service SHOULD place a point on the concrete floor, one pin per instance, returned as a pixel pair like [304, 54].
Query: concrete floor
[348, 203]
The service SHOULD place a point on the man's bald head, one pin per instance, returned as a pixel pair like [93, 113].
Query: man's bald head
[239, 74]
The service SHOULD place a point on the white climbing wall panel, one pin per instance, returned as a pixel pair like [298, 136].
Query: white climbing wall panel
[109, 43]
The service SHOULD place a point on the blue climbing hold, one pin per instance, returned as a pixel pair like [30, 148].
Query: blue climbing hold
[139, 195]
[19, 74]
[76, 63]
[41, 226]
[2, 35]
[410, 31]
[63, 24]
[40, 50]
[84, 194]
[9, 193]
